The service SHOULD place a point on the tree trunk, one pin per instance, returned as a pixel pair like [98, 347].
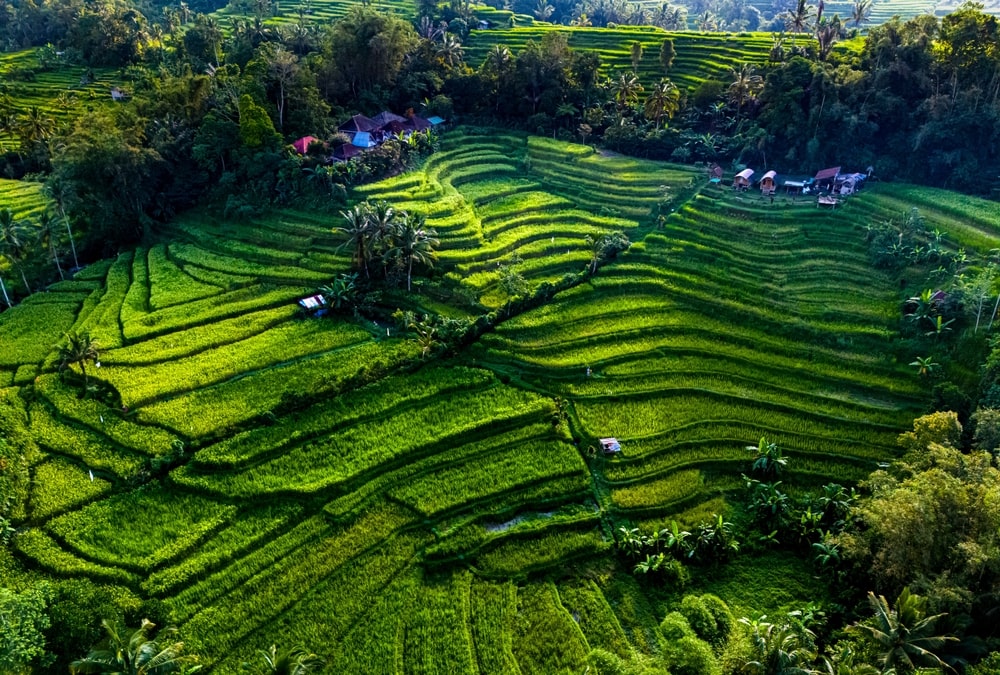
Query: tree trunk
[55, 259]
[409, 275]
[6, 298]
[83, 369]
[72, 246]
[994, 314]
[24, 279]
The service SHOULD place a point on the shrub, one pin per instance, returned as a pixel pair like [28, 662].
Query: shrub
[684, 653]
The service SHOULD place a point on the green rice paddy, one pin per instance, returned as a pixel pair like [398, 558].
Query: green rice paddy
[317, 482]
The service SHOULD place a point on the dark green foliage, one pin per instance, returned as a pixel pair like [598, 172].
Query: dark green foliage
[709, 617]
[23, 622]
[685, 653]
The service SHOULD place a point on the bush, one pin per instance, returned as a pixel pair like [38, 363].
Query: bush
[709, 617]
[684, 653]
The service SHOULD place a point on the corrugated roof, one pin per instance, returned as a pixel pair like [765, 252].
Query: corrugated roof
[769, 174]
[827, 174]
[745, 173]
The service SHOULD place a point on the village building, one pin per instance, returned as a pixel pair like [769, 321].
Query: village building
[610, 446]
[825, 179]
[767, 183]
[742, 180]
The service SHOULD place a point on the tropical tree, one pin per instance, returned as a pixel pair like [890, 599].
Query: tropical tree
[295, 661]
[667, 54]
[413, 242]
[779, 649]
[860, 12]
[905, 636]
[827, 34]
[450, 50]
[14, 242]
[358, 229]
[745, 86]
[34, 126]
[341, 293]
[79, 349]
[137, 654]
[61, 192]
[798, 19]
[626, 89]
[498, 63]
[48, 233]
[635, 51]
[663, 101]
[925, 365]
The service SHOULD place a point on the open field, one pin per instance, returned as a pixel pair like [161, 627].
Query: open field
[317, 481]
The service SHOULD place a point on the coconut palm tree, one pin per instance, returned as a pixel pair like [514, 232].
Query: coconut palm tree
[860, 12]
[498, 62]
[626, 89]
[34, 126]
[745, 86]
[295, 661]
[136, 654]
[827, 34]
[60, 192]
[663, 101]
[797, 20]
[14, 242]
[413, 242]
[79, 349]
[358, 229]
[905, 635]
[779, 649]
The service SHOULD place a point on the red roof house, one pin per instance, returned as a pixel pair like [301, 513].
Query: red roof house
[302, 145]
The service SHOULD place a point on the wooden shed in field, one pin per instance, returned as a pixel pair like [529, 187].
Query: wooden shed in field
[742, 180]
[610, 446]
[767, 187]
[826, 178]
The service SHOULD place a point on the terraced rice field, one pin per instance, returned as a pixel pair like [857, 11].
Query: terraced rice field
[57, 91]
[699, 56]
[24, 199]
[317, 482]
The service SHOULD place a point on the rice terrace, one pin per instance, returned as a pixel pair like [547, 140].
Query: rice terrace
[601, 346]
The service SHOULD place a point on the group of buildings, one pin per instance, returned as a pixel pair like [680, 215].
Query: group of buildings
[370, 132]
[828, 182]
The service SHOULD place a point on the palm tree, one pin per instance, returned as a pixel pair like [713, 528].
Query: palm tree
[498, 61]
[137, 654]
[543, 10]
[429, 30]
[779, 649]
[34, 126]
[79, 349]
[798, 20]
[827, 34]
[295, 661]
[413, 242]
[359, 232]
[905, 635]
[49, 234]
[745, 86]
[3, 289]
[60, 192]
[860, 12]
[14, 236]
[626, 90]
[450, 50]
[663, 100]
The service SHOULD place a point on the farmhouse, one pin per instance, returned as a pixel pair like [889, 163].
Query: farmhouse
[742, 180]
[767, 183]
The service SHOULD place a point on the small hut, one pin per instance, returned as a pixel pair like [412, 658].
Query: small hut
[358, 123]
[742, 180]
[767, 183]
[715, 173]
[826, 178]
[610, 446]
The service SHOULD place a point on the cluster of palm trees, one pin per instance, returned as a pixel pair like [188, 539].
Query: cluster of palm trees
[712, 541]
[21, 238]
[394, 240]
[903, 639]
[663, 100]
[148, 652]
